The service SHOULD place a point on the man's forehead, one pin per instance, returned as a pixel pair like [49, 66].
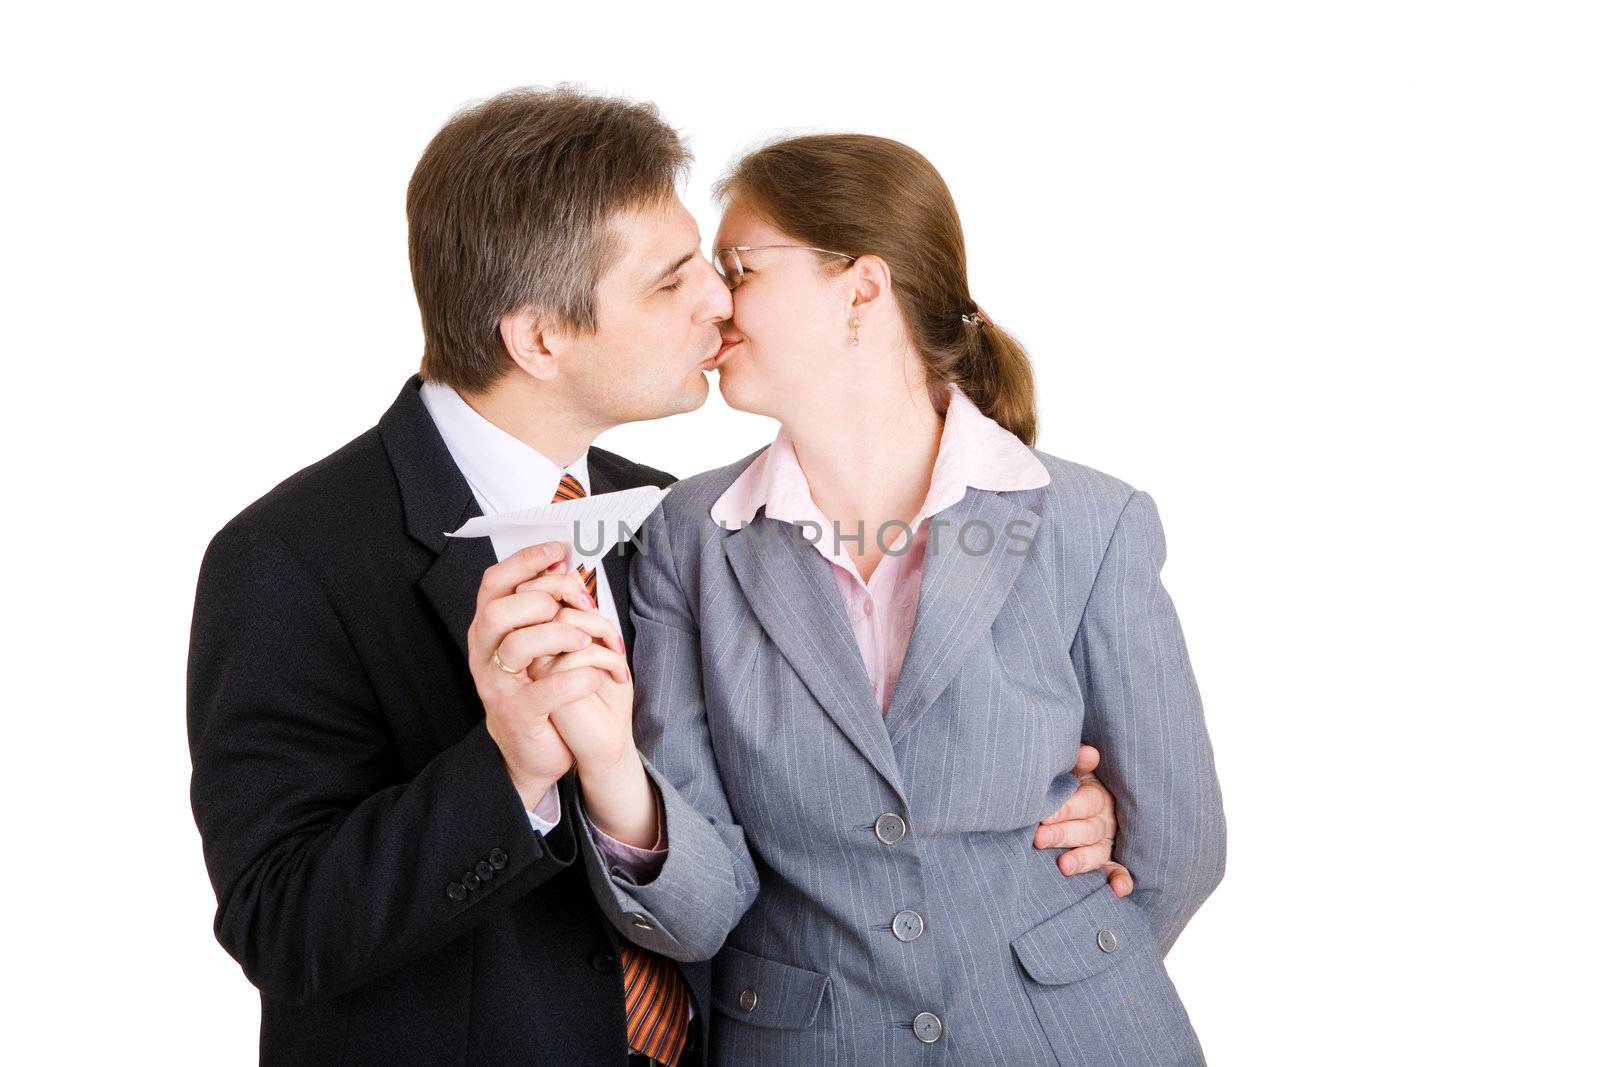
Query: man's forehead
[655, 236]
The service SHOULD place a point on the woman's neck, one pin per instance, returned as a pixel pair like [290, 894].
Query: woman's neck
[870, 464]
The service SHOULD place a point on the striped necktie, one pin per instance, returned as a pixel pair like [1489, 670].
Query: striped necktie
[571, 489]
[654, 992]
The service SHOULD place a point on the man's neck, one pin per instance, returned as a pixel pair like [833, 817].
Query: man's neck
[536, 417]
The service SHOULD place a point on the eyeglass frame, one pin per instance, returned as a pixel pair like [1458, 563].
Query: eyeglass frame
[733, 284]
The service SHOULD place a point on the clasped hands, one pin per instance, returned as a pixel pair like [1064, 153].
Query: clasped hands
[551, 672]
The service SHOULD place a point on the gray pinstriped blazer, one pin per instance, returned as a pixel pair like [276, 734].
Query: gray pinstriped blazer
[774, 762]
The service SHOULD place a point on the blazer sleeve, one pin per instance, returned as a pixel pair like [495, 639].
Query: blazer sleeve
[329, 868]
[1143, 712]
[708, 879]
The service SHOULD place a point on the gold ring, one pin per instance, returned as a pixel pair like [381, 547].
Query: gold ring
[498, 662]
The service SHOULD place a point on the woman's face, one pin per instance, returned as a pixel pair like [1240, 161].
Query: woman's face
[786, 347]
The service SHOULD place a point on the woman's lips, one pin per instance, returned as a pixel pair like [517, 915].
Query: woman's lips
[722, 354]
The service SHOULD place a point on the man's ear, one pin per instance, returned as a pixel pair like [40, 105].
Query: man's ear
[530, 341]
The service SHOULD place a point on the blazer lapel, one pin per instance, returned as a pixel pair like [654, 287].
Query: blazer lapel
[964, 585]
[792, 592]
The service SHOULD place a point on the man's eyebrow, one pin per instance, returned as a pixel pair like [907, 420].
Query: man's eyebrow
[670, 271]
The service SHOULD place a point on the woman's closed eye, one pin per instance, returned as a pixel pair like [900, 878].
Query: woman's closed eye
[677, 283]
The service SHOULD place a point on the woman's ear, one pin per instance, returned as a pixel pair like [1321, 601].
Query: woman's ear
[872, 283]
[528, 341]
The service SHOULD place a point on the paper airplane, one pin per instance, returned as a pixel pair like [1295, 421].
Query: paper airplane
[589, 526]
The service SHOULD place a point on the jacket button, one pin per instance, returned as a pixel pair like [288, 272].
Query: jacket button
[890, 828]
[747, 1000]
[928, 1027]
[1106, 940]
[498, 858]
[484, 870]
[907, 925]
[603, 963]
[470, 880]
[456, 892]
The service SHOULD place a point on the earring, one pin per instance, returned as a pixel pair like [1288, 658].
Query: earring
[855, 332]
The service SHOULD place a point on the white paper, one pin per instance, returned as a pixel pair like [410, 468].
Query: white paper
[589, 526]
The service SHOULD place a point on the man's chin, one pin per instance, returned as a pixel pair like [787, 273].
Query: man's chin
[691, 396]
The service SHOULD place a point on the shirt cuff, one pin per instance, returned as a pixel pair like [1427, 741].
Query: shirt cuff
[635, 865]
[547, 813]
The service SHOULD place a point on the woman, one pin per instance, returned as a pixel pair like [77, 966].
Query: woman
[864, 654]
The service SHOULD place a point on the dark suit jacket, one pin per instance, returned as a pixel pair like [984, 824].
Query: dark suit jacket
[344, 779]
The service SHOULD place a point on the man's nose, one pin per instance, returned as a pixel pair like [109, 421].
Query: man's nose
[717, 304]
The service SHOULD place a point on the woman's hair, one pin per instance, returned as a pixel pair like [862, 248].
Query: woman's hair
[863, 195]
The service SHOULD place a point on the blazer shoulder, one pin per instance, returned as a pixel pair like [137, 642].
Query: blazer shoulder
[691, 499]
[1076, 487]
[625, 472]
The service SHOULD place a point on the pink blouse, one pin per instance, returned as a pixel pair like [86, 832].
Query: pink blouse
[975, 452]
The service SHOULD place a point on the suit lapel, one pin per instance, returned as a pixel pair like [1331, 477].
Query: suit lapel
[964, 585]
[790, 588]
[616, 561]
[436, 498]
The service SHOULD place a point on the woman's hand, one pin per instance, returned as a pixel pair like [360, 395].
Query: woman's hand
[1086, 826]
[598, 729]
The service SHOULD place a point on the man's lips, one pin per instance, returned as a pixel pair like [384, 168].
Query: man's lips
[721, 354]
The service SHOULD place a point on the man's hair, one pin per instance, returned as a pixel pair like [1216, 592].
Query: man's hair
[511, 206]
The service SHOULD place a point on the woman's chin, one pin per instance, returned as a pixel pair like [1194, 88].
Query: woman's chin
[730, 387]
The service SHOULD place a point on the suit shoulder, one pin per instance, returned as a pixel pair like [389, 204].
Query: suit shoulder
[625, 472]
[318, 505]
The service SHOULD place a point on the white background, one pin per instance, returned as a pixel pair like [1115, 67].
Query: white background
[1322, 278]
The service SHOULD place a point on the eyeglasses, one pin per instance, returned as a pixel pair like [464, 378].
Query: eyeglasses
[732, 270]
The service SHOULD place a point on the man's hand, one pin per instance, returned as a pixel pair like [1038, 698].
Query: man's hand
[1086, 826]
[520, 604]
[598, 729]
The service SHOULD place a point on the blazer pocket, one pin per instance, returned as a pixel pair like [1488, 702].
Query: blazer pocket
[1085, 939]
[764, 992]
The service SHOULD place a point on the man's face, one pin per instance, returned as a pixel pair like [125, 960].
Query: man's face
[658, 309]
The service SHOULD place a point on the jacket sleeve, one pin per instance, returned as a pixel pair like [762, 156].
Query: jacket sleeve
[1143, 712]
[708, 880]
[329, 868]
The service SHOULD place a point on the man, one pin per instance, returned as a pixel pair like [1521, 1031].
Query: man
[384, 799]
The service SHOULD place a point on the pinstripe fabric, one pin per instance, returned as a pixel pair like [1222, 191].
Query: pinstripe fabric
[773, 760]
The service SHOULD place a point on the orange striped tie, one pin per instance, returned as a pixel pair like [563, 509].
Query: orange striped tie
[653, 989]
[571, 489]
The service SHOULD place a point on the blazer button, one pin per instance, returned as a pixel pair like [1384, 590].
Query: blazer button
[603, 963]
[747, 1000]
[498, 858]
[484, 870]
[907, 925]
[890, 828]
[1106, 940]
[470, 880]
[928, 1027]
[456, 892]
